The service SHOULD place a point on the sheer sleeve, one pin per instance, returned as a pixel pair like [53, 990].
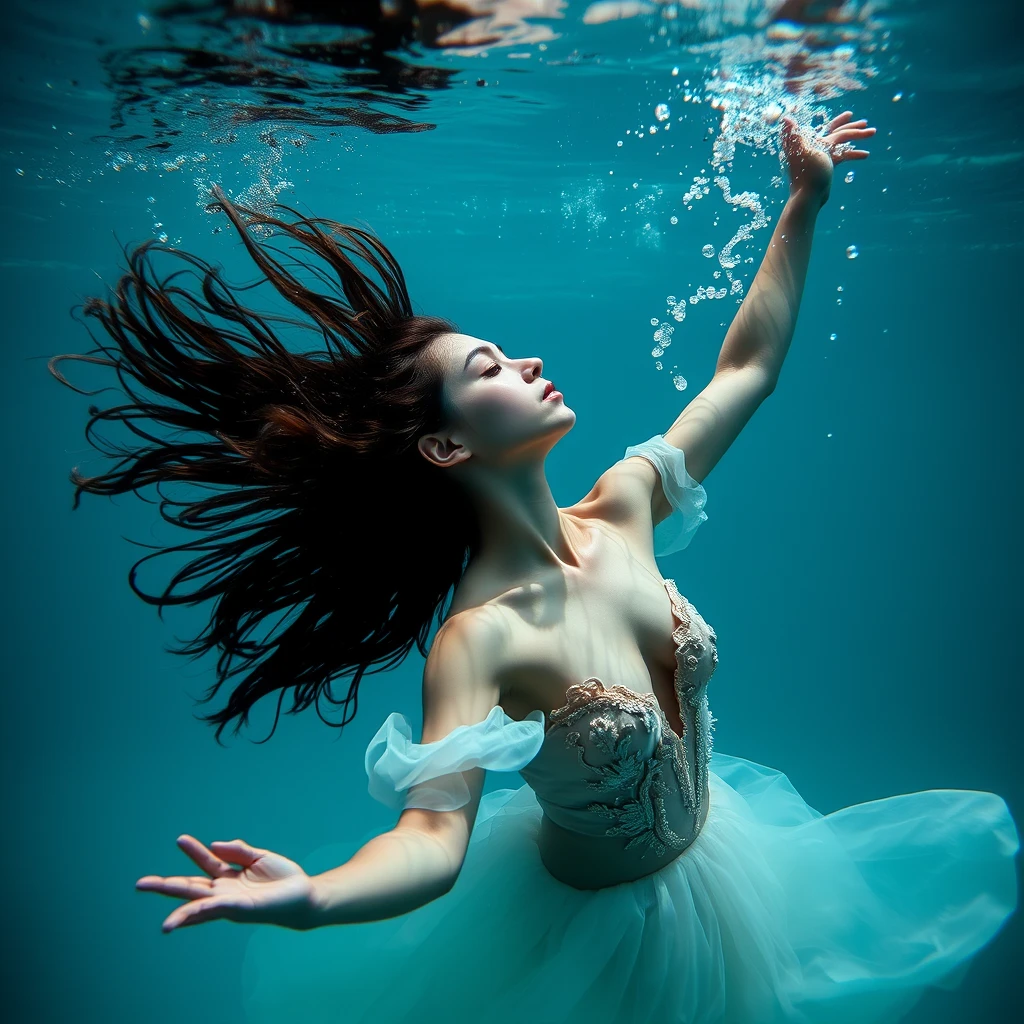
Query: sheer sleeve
[685, 495]
[406, 774]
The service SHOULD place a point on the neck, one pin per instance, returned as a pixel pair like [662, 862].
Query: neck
[521, 527]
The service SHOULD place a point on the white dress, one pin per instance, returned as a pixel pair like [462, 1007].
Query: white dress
[768, 912]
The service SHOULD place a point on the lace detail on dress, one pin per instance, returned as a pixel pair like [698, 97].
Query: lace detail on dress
[627, 751]
[691, 689]
[639, 809]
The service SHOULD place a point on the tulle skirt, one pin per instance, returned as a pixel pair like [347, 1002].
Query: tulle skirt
[775, 913]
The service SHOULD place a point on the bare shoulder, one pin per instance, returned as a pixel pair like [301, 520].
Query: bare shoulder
[460, 676]
[629, 493]
[628, 500]
[459, 689]
[622, 489]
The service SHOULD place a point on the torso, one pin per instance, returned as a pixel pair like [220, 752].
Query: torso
[609, 617]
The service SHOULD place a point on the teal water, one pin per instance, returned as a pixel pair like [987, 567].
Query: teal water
[860, 562]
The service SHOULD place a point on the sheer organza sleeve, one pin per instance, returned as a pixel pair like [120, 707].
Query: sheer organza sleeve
[406, 774]
[685, 495]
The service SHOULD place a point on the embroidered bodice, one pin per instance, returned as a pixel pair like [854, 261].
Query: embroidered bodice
[622, 794]
[610, 764]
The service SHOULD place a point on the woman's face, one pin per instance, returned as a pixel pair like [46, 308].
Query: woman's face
[499, 410]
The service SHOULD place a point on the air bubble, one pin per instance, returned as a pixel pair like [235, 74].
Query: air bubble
[661, 112]
[673, 219]
[708, 251]
[832, 337]
[679, 382]
[847, 179]
[851, 252]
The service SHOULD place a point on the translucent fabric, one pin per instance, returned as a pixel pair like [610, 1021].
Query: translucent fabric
[773, 914]
[402, 773]
[776, 913]
[685, 495]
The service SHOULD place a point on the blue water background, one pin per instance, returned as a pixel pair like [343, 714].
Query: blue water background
[860, 563]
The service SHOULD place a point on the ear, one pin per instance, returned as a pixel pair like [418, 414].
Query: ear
[442, 450]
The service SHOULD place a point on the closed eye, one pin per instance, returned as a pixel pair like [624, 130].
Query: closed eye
[488, 372]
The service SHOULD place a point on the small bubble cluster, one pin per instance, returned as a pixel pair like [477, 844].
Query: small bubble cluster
[663, 338]
[698, 189]
[755, 90]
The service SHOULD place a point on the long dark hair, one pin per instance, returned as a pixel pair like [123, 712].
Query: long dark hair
[325, 513]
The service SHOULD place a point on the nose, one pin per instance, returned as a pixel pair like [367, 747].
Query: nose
[537, 366]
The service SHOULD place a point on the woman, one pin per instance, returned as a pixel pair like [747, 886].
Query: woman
[637, 876]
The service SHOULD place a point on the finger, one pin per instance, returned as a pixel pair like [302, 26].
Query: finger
[851, 154]
[182, 887]
[238, 851]
[838, 120]
[844, 138]
[851, 133]
[195, 912]
[207, 860]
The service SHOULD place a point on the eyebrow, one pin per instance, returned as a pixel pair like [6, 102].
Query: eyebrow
[479, 349]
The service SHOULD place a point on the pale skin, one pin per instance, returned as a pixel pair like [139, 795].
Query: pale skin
[555, 595]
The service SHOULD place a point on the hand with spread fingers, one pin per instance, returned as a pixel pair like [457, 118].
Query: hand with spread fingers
[266, 889]
[812, 157]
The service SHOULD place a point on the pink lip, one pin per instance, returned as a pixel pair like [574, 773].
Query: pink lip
[551, 394]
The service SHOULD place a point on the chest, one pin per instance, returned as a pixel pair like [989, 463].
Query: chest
[614, 620]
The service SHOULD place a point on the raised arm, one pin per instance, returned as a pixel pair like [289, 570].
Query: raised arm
[759, 336]
[757, 340]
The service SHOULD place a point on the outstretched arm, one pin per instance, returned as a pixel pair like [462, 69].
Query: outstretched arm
[398, 871]
[393, 874]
